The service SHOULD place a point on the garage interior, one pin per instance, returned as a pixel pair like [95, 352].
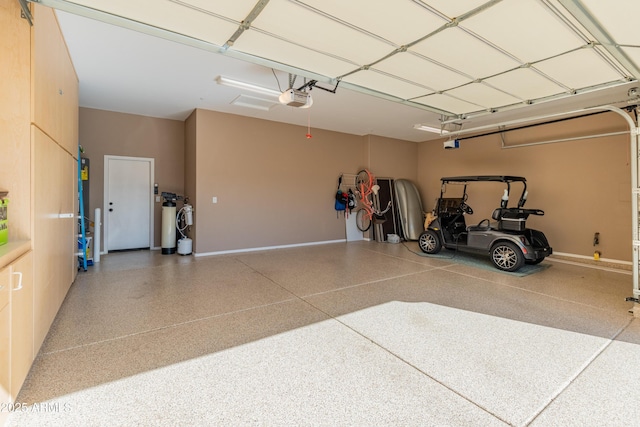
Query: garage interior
[277, 318]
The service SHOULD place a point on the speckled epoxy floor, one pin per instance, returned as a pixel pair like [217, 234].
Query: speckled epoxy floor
[361, 333]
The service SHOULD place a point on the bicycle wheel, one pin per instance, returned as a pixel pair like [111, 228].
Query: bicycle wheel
[363, 177]
[363, 220]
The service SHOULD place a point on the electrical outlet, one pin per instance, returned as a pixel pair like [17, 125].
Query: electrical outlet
[214, 200]
[157, 199]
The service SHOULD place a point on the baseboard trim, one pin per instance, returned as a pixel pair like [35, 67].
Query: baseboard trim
[605, 264]
[268, 248]
[614, 261]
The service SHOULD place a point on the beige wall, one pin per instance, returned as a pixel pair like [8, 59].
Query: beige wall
[391, 158]
[274, 186]
[583, 186]
[109, 133]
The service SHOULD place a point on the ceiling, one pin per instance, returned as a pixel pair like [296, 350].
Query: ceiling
[392, 64]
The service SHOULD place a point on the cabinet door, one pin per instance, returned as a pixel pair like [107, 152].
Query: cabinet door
[55, 85]
[49, 259]
[21, 321]
[4, 341]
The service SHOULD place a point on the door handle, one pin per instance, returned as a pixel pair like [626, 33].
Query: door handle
[19, 274]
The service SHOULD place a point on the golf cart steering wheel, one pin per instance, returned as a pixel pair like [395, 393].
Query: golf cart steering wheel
[465, 208]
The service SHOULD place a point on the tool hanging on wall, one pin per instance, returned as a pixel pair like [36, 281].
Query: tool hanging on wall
[341, 199]
[596, 242]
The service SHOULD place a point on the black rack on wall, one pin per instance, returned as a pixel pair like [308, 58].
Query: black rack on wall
[385, 195]
[82, 236]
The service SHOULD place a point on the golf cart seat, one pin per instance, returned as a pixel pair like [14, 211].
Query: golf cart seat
[513, 219]
[484, 225]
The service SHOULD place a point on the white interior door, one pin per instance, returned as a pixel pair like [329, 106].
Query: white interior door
[128, 202]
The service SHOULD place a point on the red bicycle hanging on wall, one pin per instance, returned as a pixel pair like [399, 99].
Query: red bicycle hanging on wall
[366, 187]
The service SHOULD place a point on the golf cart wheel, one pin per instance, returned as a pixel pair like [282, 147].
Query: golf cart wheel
[507, 256]
[429, 242]
[363, 221]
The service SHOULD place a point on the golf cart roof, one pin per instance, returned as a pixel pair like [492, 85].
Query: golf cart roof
[476, 178]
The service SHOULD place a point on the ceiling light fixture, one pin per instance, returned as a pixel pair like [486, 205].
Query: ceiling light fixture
[225, 81]
[430, 129]
[292, 97]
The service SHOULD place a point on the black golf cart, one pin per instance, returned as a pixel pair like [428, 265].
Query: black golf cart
[507, 240]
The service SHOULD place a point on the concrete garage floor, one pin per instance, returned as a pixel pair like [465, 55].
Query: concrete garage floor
[358, 333]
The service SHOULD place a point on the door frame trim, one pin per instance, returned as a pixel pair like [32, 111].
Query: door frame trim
[105, 202]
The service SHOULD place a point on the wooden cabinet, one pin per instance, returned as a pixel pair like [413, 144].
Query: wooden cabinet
[55, 84]
[15, 176]
[38, 166]
[15, 111]
[5, 385]
[54, 231]
[54, 135]
[21, 337]
[16, 320]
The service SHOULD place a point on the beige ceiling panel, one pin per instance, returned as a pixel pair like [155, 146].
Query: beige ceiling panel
[461, 51]
[171, 16]
[525, 29]
[236, 9]
[579, 69]
[484, 95]
[525, 84]
[426, 73]
[386, 84]
[400, 22]
[448, 103]
[300, 25]
[608, 14]
[453, 9]
[264, 46]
